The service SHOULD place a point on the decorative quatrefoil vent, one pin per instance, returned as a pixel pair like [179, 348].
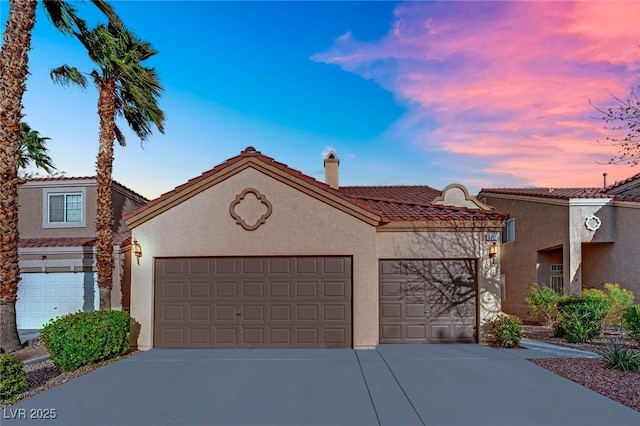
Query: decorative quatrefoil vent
[250, 207]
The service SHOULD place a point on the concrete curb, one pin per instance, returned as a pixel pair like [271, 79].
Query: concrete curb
[560, 351]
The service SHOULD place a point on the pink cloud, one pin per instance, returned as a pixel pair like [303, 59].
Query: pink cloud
[509, 82]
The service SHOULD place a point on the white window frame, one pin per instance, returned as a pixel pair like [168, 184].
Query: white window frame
[556, 283]
[557, 267]
[505, 232]
[46, 195]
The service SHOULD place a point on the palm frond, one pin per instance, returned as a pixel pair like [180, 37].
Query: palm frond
[66, 75]
[120, 136]
[33, 149]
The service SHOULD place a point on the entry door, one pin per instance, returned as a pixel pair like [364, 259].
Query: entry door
[428, 301]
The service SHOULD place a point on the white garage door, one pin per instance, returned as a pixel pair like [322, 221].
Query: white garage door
[44, 296]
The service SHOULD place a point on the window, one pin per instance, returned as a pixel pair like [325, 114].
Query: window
[509, 231]
[556, 267]
[64, 208]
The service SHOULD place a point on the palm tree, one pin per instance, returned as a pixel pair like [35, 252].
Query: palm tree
[33, 149]
[14, 57]
[126, 89]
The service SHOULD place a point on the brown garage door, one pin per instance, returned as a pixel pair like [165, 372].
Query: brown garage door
[253, 302]
[427, 301]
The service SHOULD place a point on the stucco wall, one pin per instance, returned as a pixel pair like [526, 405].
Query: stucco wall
[31, 212]
[298, 225]
[538, 226]
[618, 262]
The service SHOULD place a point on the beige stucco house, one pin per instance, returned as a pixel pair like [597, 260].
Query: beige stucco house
[56, 249]
[253, 253]
[568, 238]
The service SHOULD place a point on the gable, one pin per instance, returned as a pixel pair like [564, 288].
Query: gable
[301, 183]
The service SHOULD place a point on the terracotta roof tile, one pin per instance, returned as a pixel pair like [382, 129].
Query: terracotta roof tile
[121, 239]
[555, 193]
[622, 182]
[413, 203]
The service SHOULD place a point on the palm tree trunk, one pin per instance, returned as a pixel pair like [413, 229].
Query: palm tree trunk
[14, 58]
[104, 167]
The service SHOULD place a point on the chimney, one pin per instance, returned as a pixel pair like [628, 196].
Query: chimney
[331, 165]
[604, 175]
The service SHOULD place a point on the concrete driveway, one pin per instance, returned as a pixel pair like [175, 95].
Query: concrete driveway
[458, 384]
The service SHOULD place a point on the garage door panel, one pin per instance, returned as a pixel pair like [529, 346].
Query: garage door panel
[280, 266]
[307, 289]
[307, 266]
[199, 266]
[253, 289]
[200, 313]
[335, 289]
[280, 289]
[279, 313]
[280, 336]
[259, 302]
[427, 301]
[253, 313]
[306, 313]
[199, 289]
[226, 313]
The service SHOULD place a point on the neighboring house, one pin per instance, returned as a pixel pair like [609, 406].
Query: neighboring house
[568, 238]
[56, 249]
[253, 253]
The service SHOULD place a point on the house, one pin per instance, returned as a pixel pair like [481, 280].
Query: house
[253, 253]
[568, 238]
[56, 248]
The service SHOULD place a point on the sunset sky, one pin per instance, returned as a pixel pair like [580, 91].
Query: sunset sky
[487, 94]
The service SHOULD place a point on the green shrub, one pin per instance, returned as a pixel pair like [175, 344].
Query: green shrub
[620, 357]
[85, 337]
[506, 330]
[620, 299]
[581, 317]
[543, 303]
[12, 377]
[631, 322]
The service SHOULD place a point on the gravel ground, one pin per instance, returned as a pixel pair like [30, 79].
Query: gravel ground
[592, 373]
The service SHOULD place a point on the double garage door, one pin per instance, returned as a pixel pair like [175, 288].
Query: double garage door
[253, 302]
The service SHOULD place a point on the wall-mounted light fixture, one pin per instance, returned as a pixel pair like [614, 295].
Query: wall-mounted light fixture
[493, 252]
[137, 250]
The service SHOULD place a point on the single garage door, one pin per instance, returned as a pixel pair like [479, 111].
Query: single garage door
[428, 301]
[253, 302]
[44, 296]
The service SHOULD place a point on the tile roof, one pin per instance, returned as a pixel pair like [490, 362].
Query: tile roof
[392, 203]
[623, 182]
[121, 239]
[567, 193]
[555, 193]
[413, 203]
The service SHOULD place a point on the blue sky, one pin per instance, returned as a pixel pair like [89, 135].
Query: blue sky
[484, 94]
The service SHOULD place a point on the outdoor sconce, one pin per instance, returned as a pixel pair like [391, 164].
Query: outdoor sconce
[137, 250]
[493, 252]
